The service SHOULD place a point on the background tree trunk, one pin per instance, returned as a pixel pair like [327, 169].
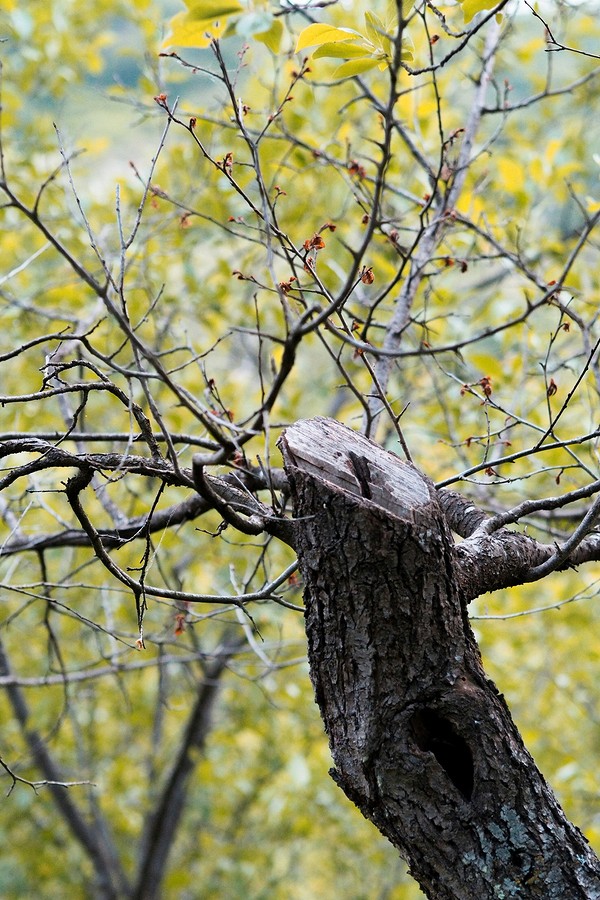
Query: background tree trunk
[423, 743]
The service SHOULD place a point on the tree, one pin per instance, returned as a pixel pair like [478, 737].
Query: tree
[383, 218]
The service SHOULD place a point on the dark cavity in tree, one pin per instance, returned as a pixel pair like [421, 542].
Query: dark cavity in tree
[435, 734]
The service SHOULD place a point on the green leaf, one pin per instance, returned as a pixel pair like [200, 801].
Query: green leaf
[356, 67]
[472, 7]
[317, 34]
[341, 50]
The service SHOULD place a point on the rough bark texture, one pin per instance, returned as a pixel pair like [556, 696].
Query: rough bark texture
[422, 741]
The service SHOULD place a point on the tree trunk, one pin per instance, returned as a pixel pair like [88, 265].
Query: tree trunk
[423, 743]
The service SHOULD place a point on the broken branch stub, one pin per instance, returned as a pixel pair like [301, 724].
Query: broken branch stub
[422, 741]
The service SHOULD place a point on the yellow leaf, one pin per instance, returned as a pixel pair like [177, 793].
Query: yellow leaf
[472, 7]
[209, 10]
[186, 33]
[375, 28]
[271, 38]
[511, 175]
[203, 22]
[536, 171]
[340, 50]
[407, 49]
[356, 67]
[318, 34]
[552, 149]
[487, 363]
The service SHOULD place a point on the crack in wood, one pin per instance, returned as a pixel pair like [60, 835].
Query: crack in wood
[362, 472]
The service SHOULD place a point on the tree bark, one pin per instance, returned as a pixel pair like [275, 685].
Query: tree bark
[423, 743]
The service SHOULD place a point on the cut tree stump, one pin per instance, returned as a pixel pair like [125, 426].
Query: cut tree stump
[423, 743]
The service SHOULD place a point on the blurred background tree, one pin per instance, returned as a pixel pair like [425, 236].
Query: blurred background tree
[268, 211]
